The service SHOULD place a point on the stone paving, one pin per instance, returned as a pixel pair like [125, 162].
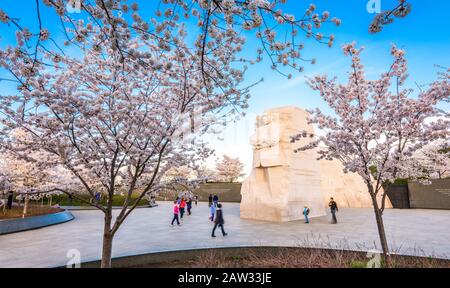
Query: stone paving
[411, 232]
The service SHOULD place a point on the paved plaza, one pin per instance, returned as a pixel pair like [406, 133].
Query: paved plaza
[411, 232]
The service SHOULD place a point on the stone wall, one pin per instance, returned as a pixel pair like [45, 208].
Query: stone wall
[434, 196]
[227, 192]
[398, 195]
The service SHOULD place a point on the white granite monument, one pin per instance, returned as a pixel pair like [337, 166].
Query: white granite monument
[282, 182]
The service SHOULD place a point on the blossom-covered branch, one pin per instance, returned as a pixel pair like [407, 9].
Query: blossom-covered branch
[384, 18]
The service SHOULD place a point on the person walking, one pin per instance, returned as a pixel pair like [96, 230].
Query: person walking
[333, 208]
[210, 200]
[306, 213]
[212, 211]
[189, 205]
[9, 203]
[196, 199]
[70, 199]
[98, 197]
[182, 206]
[215, 200]
[219, 221]
[176, 211]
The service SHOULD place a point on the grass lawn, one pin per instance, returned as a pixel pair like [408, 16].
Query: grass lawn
[63, 200]
[282, 257]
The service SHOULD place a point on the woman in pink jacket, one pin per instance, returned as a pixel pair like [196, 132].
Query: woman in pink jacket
[176, 211]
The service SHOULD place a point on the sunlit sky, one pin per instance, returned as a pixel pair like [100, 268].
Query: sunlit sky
[424, 34]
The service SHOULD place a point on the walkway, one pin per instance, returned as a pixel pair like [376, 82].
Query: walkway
[413, 232]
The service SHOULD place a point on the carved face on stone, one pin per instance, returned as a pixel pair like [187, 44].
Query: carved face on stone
[267, 132]
[265, 141]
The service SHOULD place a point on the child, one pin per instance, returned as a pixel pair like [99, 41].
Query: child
[212, 210]
[176, 210]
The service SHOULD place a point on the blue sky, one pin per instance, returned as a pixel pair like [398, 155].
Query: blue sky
[425, 37]
[424, 34]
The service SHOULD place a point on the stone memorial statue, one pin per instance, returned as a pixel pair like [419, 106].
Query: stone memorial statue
[282, 182]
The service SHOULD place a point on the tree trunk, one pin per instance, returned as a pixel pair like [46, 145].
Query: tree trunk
[107, 242]
[25, 208]
[381, 233]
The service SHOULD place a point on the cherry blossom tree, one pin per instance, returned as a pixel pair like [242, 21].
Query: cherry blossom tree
[434, 161]
[26, 173]
[377, 123]
[26, 179]
[5, 186]
[280, 34]
[4, 189]
[229, 169]
[204, 172]
[183, 172]
[117, 102]
[105, 119]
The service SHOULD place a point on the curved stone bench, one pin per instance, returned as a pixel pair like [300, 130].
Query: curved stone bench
[23, 224]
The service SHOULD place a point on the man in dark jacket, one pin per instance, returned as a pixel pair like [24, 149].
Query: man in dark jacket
[10, 200]
[218, 221]
[189, 205]
[210, 199]
[334, 208]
